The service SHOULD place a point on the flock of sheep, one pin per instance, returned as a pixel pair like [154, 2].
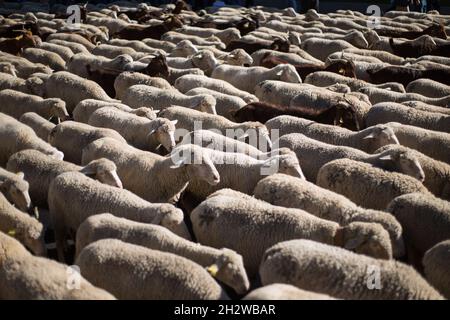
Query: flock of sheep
[102, 157]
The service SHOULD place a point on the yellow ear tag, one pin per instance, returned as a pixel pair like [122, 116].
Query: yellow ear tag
[341, 70]
[19, 37]
[12, 233]
[213, 269]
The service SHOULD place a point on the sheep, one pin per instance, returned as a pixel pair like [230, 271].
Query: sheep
[40, 125]
[249, 226]
[85, 108]
[388, 112]
[281, 291]
[72, 37]
[204, 60]
[367, 140]
[28, 230]
[140, 95]
[419, 105]
[15, 188]
[184, 48]
[176, 37]
[26, 277]
[39, 170]
[116, 266]
[71, 137]
[435, 262]
[431, 143]
[377, 95]
[64, 52]
[75, 47]
[73, 89]
[188, 82]
[225, 265]
[16, 136]
[8, 81]
[163, 45]
[23, 66]
[15, 104]
[226, 104]
[428, 88]
[326, 78]
[103, 198]
[128, 79]
[153, 177]
[136, 45]
[81, 63]
[321, 48]
[437, 173]
[313, 154]
[367, 186]
[226, 35]
[51, 59]
[384, 56]
[141, 132]
[190, 120]
[318, 267]
[290, 192]
[292, 58]
[247, 78]
[425, 221]
[16, 45]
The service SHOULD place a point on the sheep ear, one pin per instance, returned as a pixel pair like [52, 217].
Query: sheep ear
[369, 136]
[87, 170]
[174, 122]
[19, 37]
[151, 132]
[213, 269]
[386, 157]
[341, 70]
[35, 213]
[279, 73]
[156, 111]
[177, 164]
[353, 243]
[21, 175]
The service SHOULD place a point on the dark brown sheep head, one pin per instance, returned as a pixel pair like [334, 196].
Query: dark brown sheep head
[181, 5]
[437, 30]
[343, 67]
[158, 67]
[281, 45]
[172, 22]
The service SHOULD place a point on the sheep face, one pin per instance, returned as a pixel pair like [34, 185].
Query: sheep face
[145, 112]
[239, 57]
[380, 135]
[36, 86]
[16, 191]
[365, 238]
[33, 239]
[173, 219]
[294, 38]
[103, 170]
[229, 269]
[8, 68]
[204, 60]
[230, 35]
[184, 48]
[164, 131]
[287, 73]
[288, 164]
[58, 109]
[204, 103]
[120, 61]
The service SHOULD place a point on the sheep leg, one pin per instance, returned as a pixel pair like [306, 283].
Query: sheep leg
[60, 240]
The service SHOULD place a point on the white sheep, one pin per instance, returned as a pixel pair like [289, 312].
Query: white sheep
[28, 230]
[23, 66]
[15, 104]
[71, 137]
[40, 125]
[190, 120]
[75, 47]
[153, 177]
[321, 48]
[39, 170]
[435, 263]
[184, 48]
[25, 276]
[385, 112]
[127, 79]
[226, 35]
[368, 140]
[118, 266]
[72, 37]
[365, 185]
[247, 78]
[73, 89]
[292, 58]
[437, 173]
[188, 82]
[16, 136]
[64, 52]
[45, 57]
[428, 88]
[224, 264]
[313, 154]
[81, 62]
[70, 205]
[377, 95]
[425, 221]
[15, 188]
[140, 132]
[318, 267]
[140, 95]
[432, 143]
[249, 226]
[176, 37]
[226, 104]
[281, 291]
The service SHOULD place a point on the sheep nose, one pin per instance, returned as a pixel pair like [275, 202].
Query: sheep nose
[246, 64]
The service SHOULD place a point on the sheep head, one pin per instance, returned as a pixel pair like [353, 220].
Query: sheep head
[365, 238]
[16, 191]
[103, 170]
